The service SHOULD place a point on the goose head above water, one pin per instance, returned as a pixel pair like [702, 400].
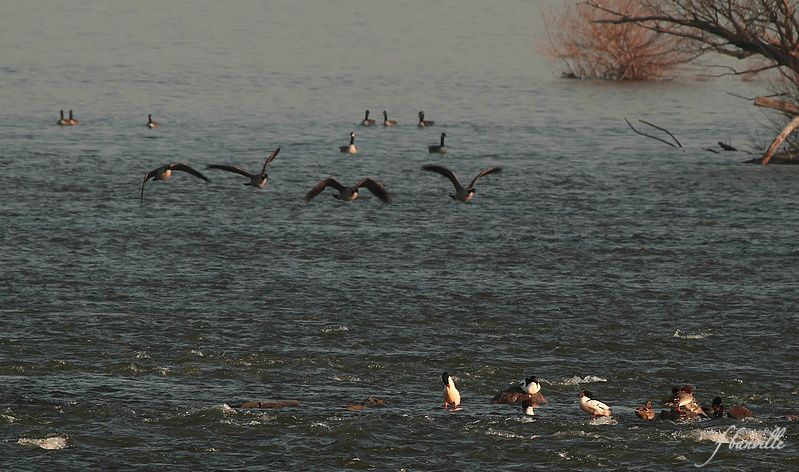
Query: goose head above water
[424, 123]
[152, 124]
[62, 121]
[438, 148]
[386, 121]
[349, 149]
[366, 120]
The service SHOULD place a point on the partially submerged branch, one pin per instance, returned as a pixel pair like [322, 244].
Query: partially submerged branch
[655, 137]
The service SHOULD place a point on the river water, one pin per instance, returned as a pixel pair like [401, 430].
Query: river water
[598, 259]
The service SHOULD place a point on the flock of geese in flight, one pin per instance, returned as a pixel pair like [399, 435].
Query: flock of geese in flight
[463, 193]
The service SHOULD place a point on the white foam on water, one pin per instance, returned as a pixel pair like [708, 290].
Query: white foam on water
[8, 418]
[335, 329]
[55, 442]
[725, 436]
[698, 335]
[577, 380]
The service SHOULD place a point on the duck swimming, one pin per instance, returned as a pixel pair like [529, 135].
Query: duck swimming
[593, 407]
[462, 194]
[165, 173]
[349, 149]
[349, 194]
[438, 148]
[259, 180]
[451, 394]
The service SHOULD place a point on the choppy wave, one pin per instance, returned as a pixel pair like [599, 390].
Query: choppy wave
[577, 380]
[54, 442]
[725, 436]
[8, 418]
[698, 335]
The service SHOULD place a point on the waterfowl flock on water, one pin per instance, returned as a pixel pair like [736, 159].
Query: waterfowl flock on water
[680, 404]
[346, 194]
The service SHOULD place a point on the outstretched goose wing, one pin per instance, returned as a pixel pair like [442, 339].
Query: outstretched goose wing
[234, 169]
[188, 169]
[269, 160]
[318, 188]
[375, 188]
[486, 171]
[446, 172]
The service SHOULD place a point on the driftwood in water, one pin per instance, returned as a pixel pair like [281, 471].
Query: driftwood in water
[786, 107]
[655, 137]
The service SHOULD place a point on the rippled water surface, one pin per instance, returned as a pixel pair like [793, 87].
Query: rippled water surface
[597, 259]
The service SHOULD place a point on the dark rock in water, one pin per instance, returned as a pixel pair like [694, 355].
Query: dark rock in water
[368, 403]
[273, 404]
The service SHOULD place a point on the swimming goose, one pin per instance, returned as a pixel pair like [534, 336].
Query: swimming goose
[351, 149]
[259, 180]
[386, 121]
[527, 389]
[424, 123]
[593, 407]
[62, 121]
[451, 394]
[165, 173]
[72, 121]
[462, 194]
[349, 194]
[367, 121]
[438, 148]
[152, 124]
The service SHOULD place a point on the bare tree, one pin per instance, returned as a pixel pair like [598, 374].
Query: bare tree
[593, 49]
[764, 29]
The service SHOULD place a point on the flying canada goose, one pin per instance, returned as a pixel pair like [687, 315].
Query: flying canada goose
[349, 194]
[462, 194]
[165, 173]
[424, 123]
[438, 148]
[593, 407]
[62, 121]
[386, 121]
[367, 121]
[259, 180]
[152, 124]
[350, 149]
[451, 394]
[72, 121]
